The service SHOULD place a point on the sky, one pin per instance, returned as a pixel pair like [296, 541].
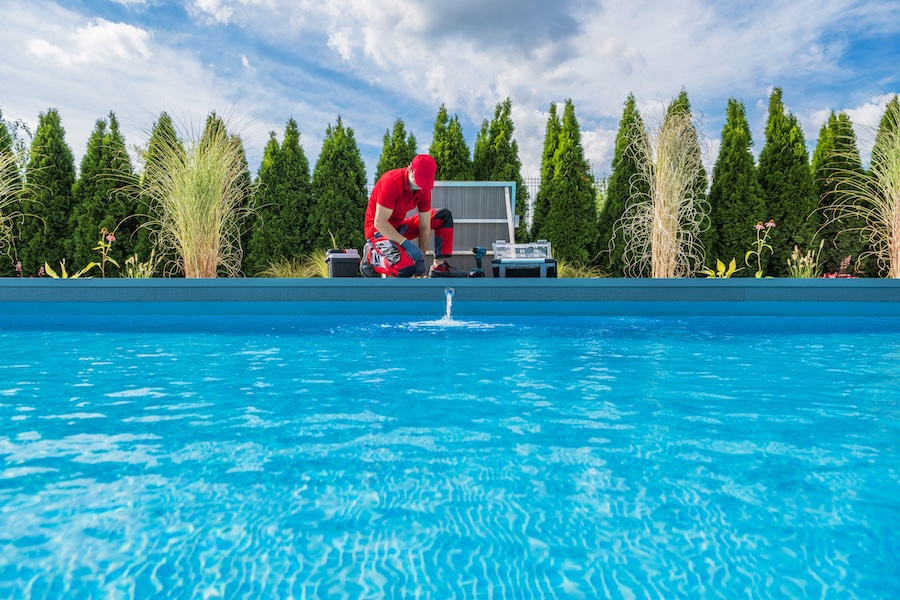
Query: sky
[260, 62]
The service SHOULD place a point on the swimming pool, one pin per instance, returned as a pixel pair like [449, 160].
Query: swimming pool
[495, 457]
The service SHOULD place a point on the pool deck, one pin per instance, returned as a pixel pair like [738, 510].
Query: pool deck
[473, 297]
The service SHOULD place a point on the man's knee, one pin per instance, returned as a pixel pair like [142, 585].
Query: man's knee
[445, 217]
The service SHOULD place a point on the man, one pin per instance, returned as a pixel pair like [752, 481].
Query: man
[396, 243]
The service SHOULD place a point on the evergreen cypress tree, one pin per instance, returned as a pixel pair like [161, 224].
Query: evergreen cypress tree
[735, 198]
[624, 186]
[283, 197]
[449, 149]
[398, 149]
[836, 154]
[885, 136]
[542, 202]
[572, 216]
[787, 184]
[49, 177]
[497, 159]
[681, 104]
[100, 201]
[339, 191]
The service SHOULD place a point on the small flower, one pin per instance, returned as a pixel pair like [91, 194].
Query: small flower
[19, 267]
[760, 226]
[110, 238]
[769, 224]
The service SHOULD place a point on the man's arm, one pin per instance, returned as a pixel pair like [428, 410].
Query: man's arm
[383, 224]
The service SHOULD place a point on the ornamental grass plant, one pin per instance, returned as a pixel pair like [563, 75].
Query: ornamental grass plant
[661, 227]
[11, 188]
[572, 270]
[310, 265]
[805, 264]
[195, 192]
[873, 197]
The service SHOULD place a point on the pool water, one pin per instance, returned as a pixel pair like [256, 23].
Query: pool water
[298, 457]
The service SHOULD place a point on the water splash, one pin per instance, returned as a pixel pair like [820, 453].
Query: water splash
[449, 293]
[448, 321]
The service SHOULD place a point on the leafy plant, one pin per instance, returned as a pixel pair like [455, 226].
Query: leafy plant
[63, 274]
[842, 272]
[721, 271]
[762, 237]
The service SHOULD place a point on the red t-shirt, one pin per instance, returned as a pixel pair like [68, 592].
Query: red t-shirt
[392, 191]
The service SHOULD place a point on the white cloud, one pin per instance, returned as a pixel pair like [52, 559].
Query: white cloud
[217, 10]
[98, 42]
[342, 42]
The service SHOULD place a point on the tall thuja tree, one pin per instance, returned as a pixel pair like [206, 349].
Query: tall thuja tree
[885, 137]
[449, 149]
[101, 200]
[164, 142]
[735, 198]
[339, 191]
[836, 154]
[545, 191]
[49, 178]
[398, 150]
[283, 199]
[787, 185]
[681, 104]
[572, 216]
[497, 159]
[624, 186]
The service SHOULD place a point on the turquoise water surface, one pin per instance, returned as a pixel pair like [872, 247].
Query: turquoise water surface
[249, 457]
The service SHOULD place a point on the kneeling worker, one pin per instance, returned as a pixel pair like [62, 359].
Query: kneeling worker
[396, 244]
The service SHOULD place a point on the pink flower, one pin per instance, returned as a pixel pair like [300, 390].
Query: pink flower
[770, 224]
[110, 238]
[760, 226]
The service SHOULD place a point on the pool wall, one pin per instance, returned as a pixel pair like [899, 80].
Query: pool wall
[473, 297]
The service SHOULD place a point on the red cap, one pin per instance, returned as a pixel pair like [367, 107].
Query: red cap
[424, 168]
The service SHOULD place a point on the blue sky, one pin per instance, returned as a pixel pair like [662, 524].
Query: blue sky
[260, 62]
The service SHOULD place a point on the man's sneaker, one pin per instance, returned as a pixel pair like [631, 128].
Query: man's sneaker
[445, 270]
